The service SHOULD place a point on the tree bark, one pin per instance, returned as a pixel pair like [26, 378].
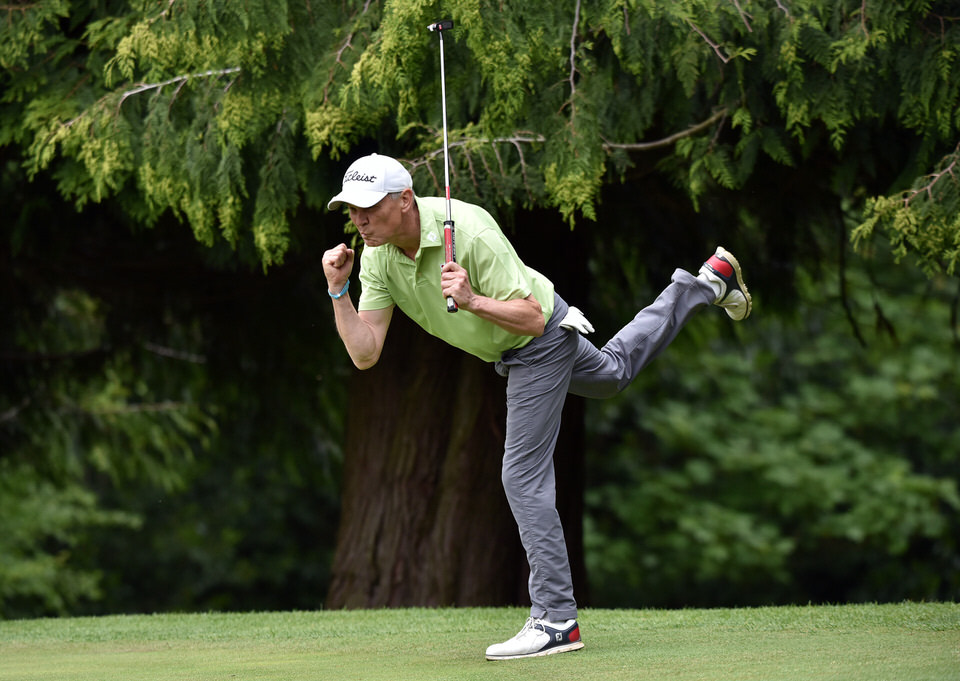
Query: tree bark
[424, 519]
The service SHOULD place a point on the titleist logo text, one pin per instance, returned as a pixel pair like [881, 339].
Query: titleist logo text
[355, 176]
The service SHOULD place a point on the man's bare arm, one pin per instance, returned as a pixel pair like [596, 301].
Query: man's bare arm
[522, 316]
[362, 333]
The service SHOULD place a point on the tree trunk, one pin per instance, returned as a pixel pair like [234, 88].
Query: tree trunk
[424, 518]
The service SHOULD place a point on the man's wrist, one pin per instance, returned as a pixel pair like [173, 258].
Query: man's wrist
[343, 291]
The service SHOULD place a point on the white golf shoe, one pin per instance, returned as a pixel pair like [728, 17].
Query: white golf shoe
[538, 637]
[723, 271]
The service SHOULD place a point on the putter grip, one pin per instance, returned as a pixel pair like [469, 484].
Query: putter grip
[450, 255]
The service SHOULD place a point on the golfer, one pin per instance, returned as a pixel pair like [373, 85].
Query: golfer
[509, 315]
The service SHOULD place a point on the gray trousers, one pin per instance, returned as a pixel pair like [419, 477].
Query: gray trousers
[539, 376]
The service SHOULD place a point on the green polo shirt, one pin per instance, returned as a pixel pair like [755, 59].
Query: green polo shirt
[388, 277]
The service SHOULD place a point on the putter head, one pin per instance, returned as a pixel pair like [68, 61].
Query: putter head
[442, 25]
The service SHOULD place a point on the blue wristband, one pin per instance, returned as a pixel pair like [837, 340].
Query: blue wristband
[343, 291]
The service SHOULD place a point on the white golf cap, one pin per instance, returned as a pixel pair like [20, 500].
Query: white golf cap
[369, 179]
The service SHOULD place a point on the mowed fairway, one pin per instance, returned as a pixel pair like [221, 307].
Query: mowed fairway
[870, 642]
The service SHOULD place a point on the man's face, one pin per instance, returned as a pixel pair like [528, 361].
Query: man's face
[379, 223]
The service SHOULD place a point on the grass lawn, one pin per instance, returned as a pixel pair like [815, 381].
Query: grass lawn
[903, 642]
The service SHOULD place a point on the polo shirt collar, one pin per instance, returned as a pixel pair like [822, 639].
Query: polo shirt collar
[431, 229]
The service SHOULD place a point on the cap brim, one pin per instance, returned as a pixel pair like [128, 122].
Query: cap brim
[356, 197]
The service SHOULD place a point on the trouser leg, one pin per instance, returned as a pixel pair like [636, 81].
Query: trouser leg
[607, 371]
[539, 377]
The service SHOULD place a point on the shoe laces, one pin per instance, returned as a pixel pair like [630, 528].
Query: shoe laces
[531, 625]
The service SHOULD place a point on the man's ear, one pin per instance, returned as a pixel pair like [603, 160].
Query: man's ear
[406, 200]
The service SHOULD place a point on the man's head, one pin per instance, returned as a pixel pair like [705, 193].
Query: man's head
[369, 179]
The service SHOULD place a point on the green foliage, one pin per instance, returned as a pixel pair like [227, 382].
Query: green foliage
[31, 31]
[41, 524]
[71, 411]
[178, 103]
[917, 221]
[213, 111]
[233, 117]
[108, 420]
[162, 444]
[792, 459]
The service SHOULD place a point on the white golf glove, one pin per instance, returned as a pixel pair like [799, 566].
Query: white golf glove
[576, 321]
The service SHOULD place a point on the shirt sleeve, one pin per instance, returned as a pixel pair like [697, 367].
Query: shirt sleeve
[495, 269]
[374, 294]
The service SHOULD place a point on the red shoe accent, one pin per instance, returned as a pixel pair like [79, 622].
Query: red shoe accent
[575, 634]
[722, 267]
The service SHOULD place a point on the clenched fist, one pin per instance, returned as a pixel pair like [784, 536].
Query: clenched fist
[337, 266]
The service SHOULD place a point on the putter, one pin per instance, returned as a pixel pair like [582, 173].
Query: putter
[449, 248]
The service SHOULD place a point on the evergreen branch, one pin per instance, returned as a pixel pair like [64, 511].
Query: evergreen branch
[521, 138]
[473, 172]
[934, 178]
[101, 103]
[171, 353]
[667, 141]
[523, 169]
[489, 171]
[716, 134]
[9, 9]
[436, 182]
[716, 48]
[176, 93]
[163, 14]
[178, 79]
[166, 11]
[743, 15]
[518, 138]
[842, 283]
[144, 408]
[347, 43]
[80, 83]
[942, 20]
[496, 152]
[573, 67]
